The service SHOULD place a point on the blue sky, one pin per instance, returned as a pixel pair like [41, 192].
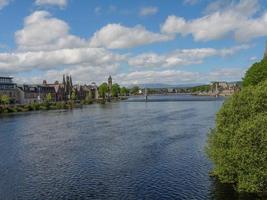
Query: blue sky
[172, 42]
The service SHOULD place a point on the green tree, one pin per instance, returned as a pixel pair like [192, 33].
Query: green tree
[256, 73]
[73, 96]
[134, 90]
[238, 144]
[48, 97]
[4, 99]
[124, 91]
[115, 90]
[103, 89]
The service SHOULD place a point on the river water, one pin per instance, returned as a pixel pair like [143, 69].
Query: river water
[123, 150]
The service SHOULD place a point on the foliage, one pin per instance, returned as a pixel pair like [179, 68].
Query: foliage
[88, 99]
[134, 90]
[103, 89]
[256, 74]
[4, 100]
[115, 90]
[201, 88]
[124, 91]
[48, 97]
[73, 95]
[238, 144]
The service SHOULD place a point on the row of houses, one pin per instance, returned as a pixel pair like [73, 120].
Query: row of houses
[223, 88]
[29, 93]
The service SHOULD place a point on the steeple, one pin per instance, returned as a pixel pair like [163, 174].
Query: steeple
[64, 80]
[70, 81]
[110, 82]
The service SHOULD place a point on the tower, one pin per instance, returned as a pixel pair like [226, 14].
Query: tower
[110, 83]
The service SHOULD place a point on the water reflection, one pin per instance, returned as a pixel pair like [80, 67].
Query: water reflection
[220, 191]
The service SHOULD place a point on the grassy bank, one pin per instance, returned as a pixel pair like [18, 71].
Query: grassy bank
[42, 106]
[65, 105]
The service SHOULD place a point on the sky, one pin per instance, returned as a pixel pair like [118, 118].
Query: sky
[134, 41]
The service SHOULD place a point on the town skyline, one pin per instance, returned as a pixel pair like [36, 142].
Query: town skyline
[136, 43]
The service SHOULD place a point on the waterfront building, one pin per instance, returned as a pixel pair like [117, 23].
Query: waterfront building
[90, 91]
[223, 88]
[8, 88]
[32, 93]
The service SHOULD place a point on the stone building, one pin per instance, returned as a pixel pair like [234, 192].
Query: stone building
[109, 84]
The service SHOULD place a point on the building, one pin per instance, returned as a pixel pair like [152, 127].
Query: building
[223, 88]
[109, 84]
[8, 88]
[33, 93]
[90, 91]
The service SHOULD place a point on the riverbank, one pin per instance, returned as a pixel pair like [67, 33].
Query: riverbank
[64, 105]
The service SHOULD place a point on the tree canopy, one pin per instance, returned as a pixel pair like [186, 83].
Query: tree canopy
[4, 99]
[115, 90]
[103, 89]
[124, 91]
[238, 144]
[256, 73]
[134, 90]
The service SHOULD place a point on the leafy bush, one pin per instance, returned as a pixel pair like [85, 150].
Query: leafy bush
[238, 144]
[256, 73]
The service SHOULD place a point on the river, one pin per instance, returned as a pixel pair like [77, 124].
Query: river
[123, 150]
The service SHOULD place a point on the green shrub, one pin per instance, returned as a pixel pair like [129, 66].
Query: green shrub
[256, 73]
[238, 144]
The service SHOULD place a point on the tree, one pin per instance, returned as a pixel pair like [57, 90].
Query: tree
[256, 73]
[73, 96]
[237, 145]
[48, 97]
[124, 91]
[4, 99]
[115, 90]
[135, 90]
[103, 89]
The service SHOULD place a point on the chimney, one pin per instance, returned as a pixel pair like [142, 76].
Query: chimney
[44, 82]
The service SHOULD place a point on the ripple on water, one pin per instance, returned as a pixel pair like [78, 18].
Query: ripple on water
[113, 151]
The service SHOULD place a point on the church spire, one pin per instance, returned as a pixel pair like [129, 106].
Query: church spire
[70, 81]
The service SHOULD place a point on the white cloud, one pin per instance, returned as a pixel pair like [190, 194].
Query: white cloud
[98, 10]
[114, 36]
[26, 61]
[181, 57]
[61, 3]
[191, 2]
[145, 11]
[228, 74]
[81, 74]
[253, 58]
[179, 77]
[233, 19]
[43, 32]
[4, 3]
